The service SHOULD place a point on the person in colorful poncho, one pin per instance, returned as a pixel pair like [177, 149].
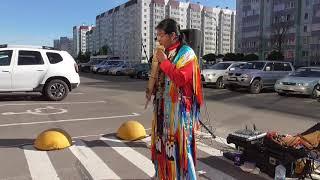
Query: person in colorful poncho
[177, 101]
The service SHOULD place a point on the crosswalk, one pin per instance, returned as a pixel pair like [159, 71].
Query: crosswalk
[105, 157]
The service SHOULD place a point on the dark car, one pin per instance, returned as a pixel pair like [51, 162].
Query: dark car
[138, 70]
[86, 67]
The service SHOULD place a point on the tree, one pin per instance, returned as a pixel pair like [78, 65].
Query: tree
[220, 56]
[104, 50]
[275, 56]
[239, 57]
[251, 57]
[279, 31]
[83, 57]
[229, 57]
[209, 57]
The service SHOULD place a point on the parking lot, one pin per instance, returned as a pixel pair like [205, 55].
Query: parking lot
[102, 103]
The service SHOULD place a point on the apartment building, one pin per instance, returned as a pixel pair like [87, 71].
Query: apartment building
[129, 29]
[259, 23]
[64, 43]
[80, 39]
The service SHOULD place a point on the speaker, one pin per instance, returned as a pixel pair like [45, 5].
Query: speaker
[193, 38]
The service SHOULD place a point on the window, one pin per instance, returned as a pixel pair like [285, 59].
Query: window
[288, 17]
[287, 67]
[305, 28]
[54, 58]
[270, 65]
[278, 67]
[5, 58]
[305, 53]
[30, 58]
[306, 16]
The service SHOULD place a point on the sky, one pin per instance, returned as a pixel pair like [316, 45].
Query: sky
[39, 22]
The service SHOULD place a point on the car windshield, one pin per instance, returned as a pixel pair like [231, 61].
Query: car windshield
[307, 72]
[102, 63]
[220, 66]
[254, 65]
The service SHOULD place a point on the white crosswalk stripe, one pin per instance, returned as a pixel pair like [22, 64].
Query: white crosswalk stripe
[39, 164]
[131, 155]
[94, 165]
[92, 156]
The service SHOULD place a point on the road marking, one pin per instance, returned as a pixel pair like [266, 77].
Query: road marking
[64, 103]
[133, 156]
[69, 120]
[91, 161]
[39, 111]
[39, 163]
[217, 139]
[209, 150]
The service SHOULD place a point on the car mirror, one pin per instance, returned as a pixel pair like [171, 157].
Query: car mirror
[232, 69]
[268, 68]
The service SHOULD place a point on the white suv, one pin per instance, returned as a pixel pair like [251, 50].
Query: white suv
[213, 75]
[37, 69]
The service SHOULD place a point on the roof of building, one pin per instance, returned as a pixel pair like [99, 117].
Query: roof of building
[195, 7]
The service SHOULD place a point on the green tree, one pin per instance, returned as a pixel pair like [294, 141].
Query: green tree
[83, 58]
[251, 57]
[104, 50]
[209, 57]
[239, 57]
[275, 56]
[220, 56]
[229, 57]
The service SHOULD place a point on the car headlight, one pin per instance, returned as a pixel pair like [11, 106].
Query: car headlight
[244, 75]
[318, 87]
[210, 75]
[302, 84]
[278, 82]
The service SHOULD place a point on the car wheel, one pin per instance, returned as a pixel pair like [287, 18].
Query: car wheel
[230, 87]
[255, 86]
[56, 90]
[282, 94]
[97, 71]
[219, 83]
[314, 93]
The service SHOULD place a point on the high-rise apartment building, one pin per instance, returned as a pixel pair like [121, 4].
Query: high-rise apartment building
[291, 26]
[129, 29]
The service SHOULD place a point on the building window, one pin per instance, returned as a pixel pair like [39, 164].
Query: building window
[288, 17]
[305, 28]
[306, 16]
[305, 53]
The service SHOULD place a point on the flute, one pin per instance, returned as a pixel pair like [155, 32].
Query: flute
[154, 73]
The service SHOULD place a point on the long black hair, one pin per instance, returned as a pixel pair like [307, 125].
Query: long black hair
[169, 26]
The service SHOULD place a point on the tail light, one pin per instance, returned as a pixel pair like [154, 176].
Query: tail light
[76, 67]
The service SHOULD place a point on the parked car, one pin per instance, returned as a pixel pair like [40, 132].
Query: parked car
[38, 69]
[87, 67]
[318, 90]
[119, 70]
[138, 70]
[213, 75]
[95, 68]
[257, 75]
[303, 81]
[109, 65]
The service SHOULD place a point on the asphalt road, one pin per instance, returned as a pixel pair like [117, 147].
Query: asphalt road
[92, 114]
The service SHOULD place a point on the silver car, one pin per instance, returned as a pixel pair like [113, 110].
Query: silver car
[318, 91]
[258, 75]
[303, 81]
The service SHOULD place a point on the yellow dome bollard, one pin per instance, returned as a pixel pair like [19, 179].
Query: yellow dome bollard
[131, 130]
[53, 139]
